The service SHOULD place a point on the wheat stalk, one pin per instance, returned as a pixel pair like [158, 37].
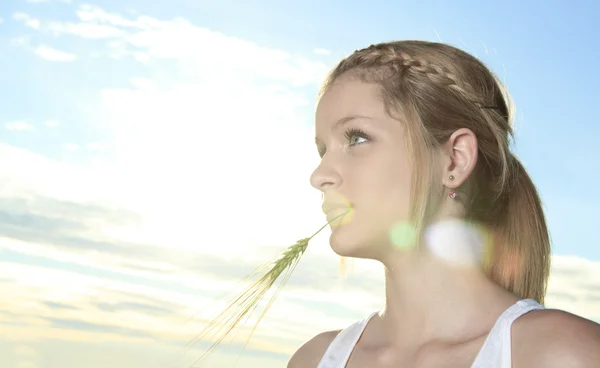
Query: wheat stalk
[247, 301]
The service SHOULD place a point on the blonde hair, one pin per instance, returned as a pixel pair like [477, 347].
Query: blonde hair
[435, 89]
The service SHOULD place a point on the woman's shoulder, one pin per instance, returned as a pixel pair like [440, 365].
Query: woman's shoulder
[310, 353]
[555, 338]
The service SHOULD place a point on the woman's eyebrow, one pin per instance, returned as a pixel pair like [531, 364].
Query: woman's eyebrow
[338, 124]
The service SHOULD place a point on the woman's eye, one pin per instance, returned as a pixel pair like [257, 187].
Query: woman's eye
[356, 136]
[354, 141]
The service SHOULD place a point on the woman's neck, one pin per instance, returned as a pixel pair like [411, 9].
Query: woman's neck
[428, 299]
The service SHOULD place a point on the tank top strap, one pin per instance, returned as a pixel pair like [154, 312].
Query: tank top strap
[339, 350]
[496, 350]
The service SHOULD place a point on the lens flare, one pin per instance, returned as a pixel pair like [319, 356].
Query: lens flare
[402, 234]
[341, 216]
[339, 209]
[456, 243]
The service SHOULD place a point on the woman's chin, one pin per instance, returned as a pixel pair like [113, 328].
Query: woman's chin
[359, 238]
[345, 242]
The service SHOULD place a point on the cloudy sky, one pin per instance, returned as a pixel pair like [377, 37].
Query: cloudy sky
[153, 153]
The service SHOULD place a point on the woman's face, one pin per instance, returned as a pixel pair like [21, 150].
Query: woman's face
[365, 168]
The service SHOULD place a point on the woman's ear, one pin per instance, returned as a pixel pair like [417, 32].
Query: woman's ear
[460, 152]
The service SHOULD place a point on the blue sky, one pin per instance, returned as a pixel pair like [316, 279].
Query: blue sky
[125, 126]
[545, 53]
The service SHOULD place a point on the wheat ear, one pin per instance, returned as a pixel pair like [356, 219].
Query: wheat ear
[245, 302]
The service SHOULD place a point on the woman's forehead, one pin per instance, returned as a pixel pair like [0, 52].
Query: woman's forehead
[349, 98]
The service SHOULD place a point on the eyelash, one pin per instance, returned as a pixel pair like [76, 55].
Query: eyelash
[355, 132]
[349, 134]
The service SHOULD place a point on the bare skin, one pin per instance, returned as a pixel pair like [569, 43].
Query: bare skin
[545, 338]
[435, 314]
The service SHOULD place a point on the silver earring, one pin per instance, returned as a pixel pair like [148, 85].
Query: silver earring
[451, 177]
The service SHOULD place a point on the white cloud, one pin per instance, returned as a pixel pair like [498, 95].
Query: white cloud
[86, 30]
[97, 146]
[22, 41]
[186, 148]
[27, 20]
[18, 126]
[25, 173]
[71, 147]
[51, 123]
[320, 51]
[174, 126]
[155, 311]
[179, 40]
[575, 286]
[52, 54]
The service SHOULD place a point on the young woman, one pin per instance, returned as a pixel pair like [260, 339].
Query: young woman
[417, 173]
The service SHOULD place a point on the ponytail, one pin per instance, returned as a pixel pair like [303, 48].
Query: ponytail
[520, 254]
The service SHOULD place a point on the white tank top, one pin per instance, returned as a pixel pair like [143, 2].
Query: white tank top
[495, 352]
